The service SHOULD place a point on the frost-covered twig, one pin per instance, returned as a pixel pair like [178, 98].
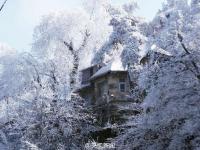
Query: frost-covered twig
[3, 5]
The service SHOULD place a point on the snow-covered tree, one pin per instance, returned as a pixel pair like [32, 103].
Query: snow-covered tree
[63, 43]
[17, 94]
[171, 80]
[39, 109]
[126, 42]
[69, 39]
[32, 111]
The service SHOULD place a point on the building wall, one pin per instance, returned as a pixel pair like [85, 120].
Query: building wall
[107, 108]
[112, 87]
[100, 99]
[88, 95]
[87, 73]
[85, 76]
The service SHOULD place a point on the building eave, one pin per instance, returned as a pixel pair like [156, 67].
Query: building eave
[106, 73]
[101, 64]
[83, 87]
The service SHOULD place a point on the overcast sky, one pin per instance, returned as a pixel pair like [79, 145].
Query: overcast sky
[19, 17]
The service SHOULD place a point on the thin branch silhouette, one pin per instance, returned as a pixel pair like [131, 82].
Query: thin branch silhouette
[3, 5]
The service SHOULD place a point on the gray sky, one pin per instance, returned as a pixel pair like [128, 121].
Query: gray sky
[19, 17]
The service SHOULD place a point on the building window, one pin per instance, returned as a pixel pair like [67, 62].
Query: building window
[122, 85]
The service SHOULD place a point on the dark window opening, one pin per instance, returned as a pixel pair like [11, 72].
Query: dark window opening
[122, 85]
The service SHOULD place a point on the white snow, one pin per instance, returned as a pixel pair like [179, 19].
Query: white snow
[5, 49]
[155, 48]
[113, 66]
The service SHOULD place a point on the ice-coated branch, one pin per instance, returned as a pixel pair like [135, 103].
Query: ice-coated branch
[180, 37]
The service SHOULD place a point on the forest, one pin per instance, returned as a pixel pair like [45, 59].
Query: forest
[39, 109]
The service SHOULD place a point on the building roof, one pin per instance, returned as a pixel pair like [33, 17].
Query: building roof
[92, 66]
[114, 66]
[82, 87]
[88, 67]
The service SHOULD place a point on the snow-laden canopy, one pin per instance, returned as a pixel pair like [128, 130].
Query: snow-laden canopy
[5, 49]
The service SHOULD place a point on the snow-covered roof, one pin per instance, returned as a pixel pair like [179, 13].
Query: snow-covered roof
[114, 66]
[88, 67]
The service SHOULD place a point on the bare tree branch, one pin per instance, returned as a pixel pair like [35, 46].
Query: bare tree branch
[75, 54]
[3, 5]
[180, 37]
